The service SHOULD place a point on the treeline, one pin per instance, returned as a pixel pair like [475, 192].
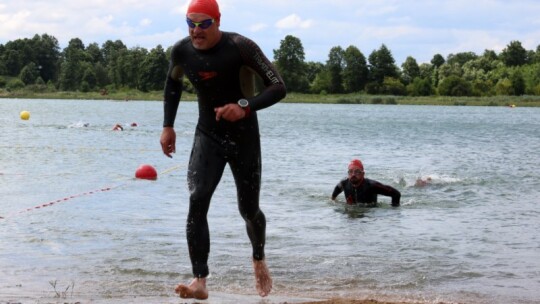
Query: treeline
[38, 64]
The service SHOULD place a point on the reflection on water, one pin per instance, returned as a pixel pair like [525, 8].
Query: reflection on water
[469, 235]
[353, 211]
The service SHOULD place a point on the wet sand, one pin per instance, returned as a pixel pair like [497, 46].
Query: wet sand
[351, 301]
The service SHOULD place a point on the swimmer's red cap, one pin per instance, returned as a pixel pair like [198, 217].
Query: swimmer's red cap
[208, 7]
[356, 163]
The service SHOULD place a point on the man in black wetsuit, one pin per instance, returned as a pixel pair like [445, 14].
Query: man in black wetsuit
[222, 67]
[360, 190]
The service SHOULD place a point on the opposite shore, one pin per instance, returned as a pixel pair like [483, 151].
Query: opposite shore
[503, 101]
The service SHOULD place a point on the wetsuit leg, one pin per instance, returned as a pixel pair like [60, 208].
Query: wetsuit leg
[205, 170]
[246, 170]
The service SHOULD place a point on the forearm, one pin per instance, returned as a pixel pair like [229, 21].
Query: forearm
[269, 96]
[335, 193]
[171, 100]
[274, 87]
[396, 197]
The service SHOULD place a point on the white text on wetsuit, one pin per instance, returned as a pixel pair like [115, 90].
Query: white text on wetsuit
[268, 72]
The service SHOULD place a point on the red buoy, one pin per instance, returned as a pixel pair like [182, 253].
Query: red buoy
[146, 172]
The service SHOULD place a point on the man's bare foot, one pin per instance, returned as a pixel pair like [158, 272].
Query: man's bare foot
[263, 281]
[196, 289]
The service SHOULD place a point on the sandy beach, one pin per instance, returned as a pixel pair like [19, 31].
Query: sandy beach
[352, 301]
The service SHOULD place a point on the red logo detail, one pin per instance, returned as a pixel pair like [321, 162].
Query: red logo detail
[207, 75]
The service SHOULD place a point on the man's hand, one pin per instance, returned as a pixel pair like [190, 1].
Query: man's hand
[230, 112]
[168, 141]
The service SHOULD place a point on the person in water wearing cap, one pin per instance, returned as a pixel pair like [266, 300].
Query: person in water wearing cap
[359, 189]
[222, 67]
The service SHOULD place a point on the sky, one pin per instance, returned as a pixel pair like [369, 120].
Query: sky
[417, 28]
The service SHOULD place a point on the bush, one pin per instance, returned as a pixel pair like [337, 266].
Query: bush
[391, 100]
[420, 87]
[372, 88]
[504, 87]
[376, 100]
[15, 84]
[455, 86]
[392, 86]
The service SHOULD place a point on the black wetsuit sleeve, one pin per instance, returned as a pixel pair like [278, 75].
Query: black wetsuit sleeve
[274, 87]
[171, 100]
[337, 190]
[388, 191]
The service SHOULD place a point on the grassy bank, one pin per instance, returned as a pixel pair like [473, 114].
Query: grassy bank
[518, 101]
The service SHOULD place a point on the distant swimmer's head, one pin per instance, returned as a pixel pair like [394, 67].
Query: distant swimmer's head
[356, 164]
[356, 171]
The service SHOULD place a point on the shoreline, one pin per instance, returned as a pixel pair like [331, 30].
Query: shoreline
[354, 98]
[353, 301]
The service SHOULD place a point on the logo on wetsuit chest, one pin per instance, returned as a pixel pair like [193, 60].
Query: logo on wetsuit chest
[207, 75]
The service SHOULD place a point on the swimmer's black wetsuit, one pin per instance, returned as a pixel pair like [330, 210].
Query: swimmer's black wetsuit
[366, 192]
[221, 75]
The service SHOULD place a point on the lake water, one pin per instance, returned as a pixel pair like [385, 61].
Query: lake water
[77, 226]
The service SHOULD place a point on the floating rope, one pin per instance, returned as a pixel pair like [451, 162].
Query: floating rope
[68, 198]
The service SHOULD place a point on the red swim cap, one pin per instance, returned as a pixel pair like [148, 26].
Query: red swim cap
[356, 163]
[208, 7]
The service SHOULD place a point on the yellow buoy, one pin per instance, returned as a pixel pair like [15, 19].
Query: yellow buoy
[25, 115]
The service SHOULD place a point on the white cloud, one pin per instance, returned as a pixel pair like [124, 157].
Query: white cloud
[292, 22]
[409, 28]
[145, 22]
[258, 27]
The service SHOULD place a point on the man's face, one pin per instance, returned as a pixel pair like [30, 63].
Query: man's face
[356, 175]
[203, 30]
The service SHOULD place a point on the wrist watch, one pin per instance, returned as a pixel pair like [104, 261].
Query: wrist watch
[244, 104]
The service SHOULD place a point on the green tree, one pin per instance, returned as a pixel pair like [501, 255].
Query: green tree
[14, 84]
[483, 87]
[355, 72]
[454, 86]
[73, 65]
[437, 60]
[111, 52]
[420, 87]
[154, 70]
[382, 64]
[518, 83]
[514, 54]
[322, 82]
[426, 70]
[531, 76]
[29, 74]
[46, 56]
[410, 70]
[129, 67]
[536, 58]
[94, 53]
[504, 87]
[312, 69]
[102, 75]
[393, 86]
[334, 66]
[447, 70]
[460, 58]
[89, 77]
[13, 62]
[289, 60]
